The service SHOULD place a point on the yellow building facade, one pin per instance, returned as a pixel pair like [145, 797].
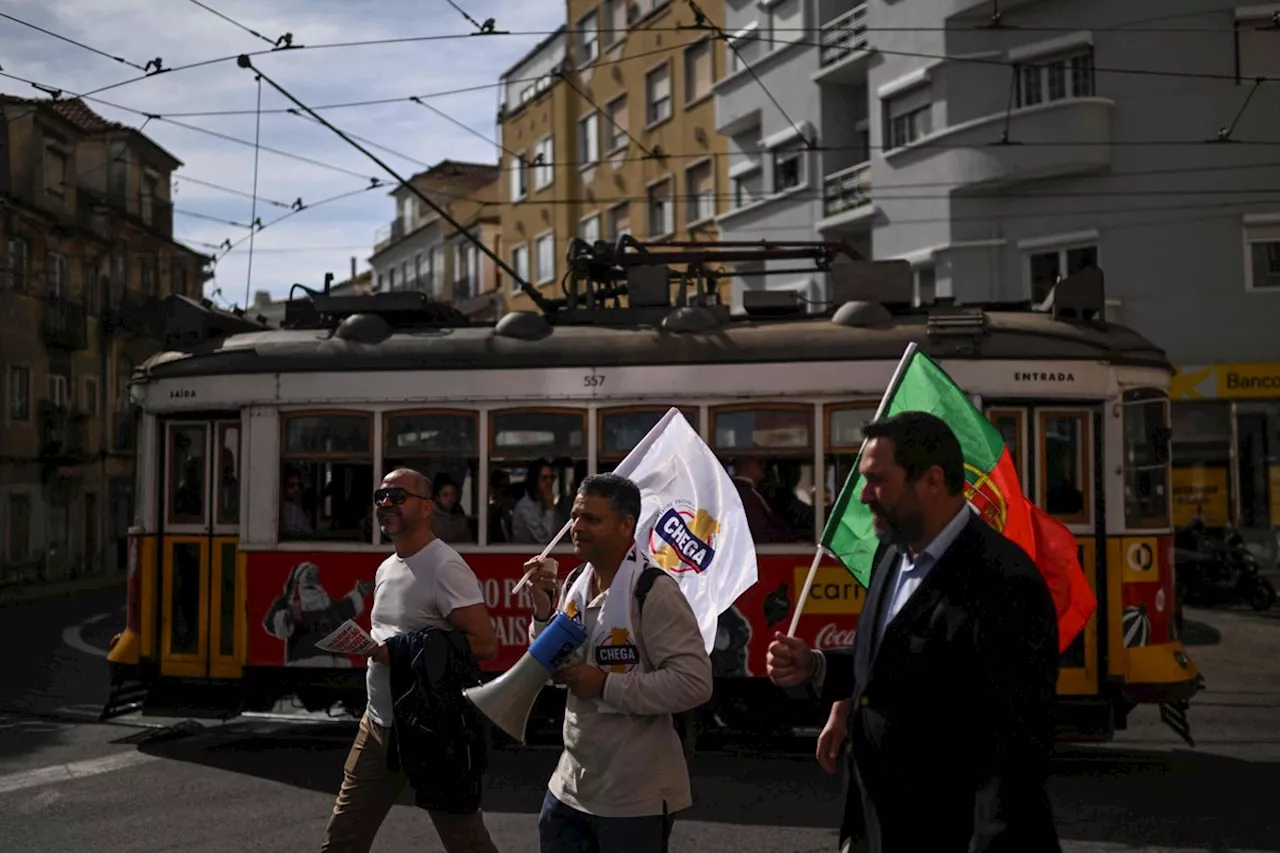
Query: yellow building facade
[608, 128]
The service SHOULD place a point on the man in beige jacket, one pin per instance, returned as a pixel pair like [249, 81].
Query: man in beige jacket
[622, 774]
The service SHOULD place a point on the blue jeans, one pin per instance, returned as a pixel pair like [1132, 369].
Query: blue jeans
[562, 829]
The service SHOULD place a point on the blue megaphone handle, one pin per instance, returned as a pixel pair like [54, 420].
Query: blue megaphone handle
[557, 641]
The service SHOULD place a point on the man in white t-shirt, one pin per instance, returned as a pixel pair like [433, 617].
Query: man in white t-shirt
[425, 583]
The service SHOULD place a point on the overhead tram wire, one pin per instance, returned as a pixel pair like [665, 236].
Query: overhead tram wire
[78, 44]
[255, 224]
[702, 22]
[227, 246]
[286, 39]
[541, 301]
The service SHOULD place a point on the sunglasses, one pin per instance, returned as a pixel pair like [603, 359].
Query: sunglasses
[395, 495]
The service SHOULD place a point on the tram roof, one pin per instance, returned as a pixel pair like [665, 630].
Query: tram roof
[1012, 335]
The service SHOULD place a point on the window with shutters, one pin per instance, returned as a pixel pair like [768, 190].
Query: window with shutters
[520, 263]
[698, 72]
[908, 116]
[1262, 259]
[545, 247]
[700, 192]
[616, 111]
[662, 213]
[588, 38]
[56, 280]
[657, 90]
[519, 177]
[543, 163]
[619, 221]
[589, 139]
[589, 228]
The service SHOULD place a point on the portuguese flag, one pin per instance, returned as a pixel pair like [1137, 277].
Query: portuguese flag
[991, 485]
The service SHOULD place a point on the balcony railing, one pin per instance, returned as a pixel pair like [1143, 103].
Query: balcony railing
[843, 35]
[847, 189]
[61, 431]
[63, 323]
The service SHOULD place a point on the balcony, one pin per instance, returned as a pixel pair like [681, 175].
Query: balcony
[61, 433]
[846, 190]
[843, 49]
[63, 324]
[1055, 139]
[388, 234]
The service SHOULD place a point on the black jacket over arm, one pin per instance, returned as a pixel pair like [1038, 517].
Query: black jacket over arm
[438, 739]
[952, 720]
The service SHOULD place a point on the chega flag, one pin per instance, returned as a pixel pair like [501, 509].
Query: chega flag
[991, 486]
[691, 523]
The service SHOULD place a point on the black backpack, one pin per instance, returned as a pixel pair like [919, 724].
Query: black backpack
[684, 721]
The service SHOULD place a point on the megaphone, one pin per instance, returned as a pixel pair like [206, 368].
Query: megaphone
[508, 699]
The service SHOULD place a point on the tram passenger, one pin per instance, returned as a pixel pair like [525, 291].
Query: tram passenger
[293, 518]
[953, 671]
[534, 520]
[622, 774]
[762, 520]
[449, 520]
[424, 584]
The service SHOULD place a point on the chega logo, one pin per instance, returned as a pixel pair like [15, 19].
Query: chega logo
[831, 637]
[683, 540]
[618, 654]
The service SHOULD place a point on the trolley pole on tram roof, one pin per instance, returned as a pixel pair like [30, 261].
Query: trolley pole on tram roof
[541, 301]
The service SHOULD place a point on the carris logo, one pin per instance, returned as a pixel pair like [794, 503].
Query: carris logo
[831, 637]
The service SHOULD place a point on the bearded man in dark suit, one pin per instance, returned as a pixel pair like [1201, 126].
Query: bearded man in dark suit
[953, 671]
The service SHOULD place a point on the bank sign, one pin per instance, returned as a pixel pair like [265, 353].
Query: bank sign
[1227, 382]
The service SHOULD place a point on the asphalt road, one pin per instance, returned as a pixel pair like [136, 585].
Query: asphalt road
[264, 784]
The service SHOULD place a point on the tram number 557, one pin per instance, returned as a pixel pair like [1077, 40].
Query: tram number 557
[593, 380]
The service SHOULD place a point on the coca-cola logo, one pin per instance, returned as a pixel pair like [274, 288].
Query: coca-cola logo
[832, 637]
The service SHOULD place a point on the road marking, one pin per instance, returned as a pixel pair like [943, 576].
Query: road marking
[71, 637]
[75, 770]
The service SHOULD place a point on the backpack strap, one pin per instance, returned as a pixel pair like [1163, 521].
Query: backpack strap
[645, 583]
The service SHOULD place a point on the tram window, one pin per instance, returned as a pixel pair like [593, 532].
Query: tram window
[1010, 424]
[444, 447]
[327, 477]
[621, 430]
[537, 457]
[228, 462]
[844, 440]
[1146, 458]
[188, 469]
[1064, 466]
[769, 453]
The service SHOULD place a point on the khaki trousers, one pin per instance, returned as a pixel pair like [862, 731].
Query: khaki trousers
[368, 792]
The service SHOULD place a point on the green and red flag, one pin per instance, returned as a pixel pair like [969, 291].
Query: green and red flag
[992, 487]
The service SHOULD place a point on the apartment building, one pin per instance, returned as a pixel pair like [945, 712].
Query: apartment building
[86, 223]
[608, 128]
[792, 105]
[1002, 158]
[420, 250]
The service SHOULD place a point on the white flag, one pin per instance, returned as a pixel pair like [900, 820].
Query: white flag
[691, 523]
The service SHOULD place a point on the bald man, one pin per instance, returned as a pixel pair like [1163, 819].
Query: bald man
[424, 584]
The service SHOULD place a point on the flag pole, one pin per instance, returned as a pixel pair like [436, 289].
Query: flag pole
[545, 551]
[894, 382]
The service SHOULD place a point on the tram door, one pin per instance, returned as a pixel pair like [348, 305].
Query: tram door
[201, 632]
[1057, 450]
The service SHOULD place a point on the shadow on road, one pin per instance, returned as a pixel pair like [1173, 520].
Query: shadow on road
[1180, 798]
[1199, 633]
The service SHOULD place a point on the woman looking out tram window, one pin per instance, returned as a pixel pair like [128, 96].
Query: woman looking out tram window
[535, 520]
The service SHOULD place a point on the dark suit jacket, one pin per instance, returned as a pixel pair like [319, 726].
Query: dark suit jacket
[951, 726]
